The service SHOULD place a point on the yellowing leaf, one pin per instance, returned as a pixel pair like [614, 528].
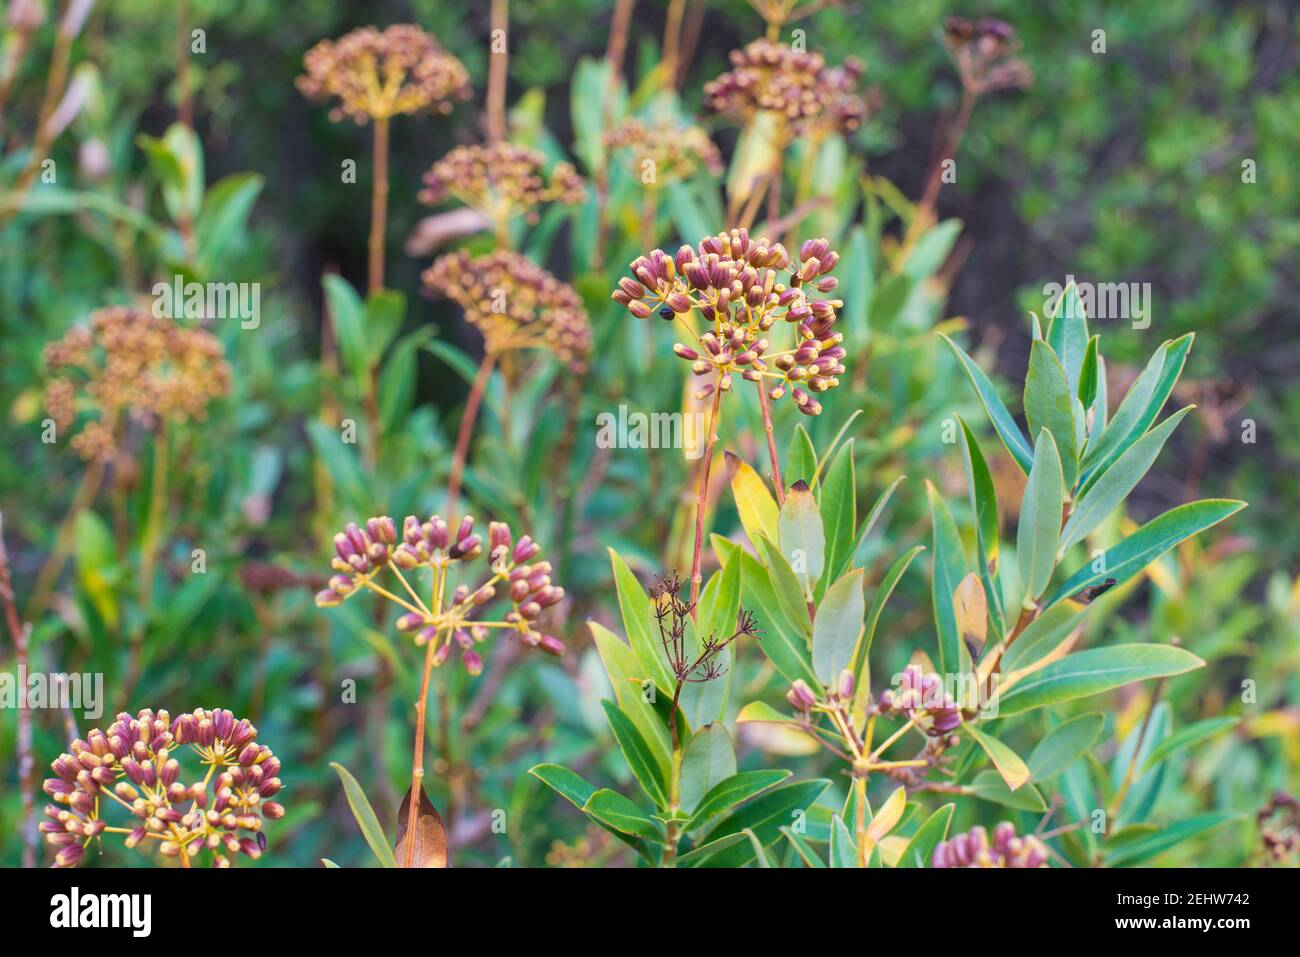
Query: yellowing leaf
[757, 507]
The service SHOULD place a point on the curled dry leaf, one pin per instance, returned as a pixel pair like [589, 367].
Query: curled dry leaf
[430, 836]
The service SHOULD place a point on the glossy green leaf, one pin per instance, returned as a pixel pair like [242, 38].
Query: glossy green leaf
[702, 853]
[1040, 518]
[1043, 635]
[801, 459]
[1005, 426]
[989, 786]
[635, 693]
[764, 815]
[1063, 745]
[709, 759]
[570, 785]
[1010, 765]
[1068, 334]
[1112, 486]
[803, 539]
[838, 627]
[1089, 384]
[1048, 406]
[732, 791]
[785, 584]
[1148, 543]
[784, 645]
[613, 809]
[839, 513]
[984, 505]
[843, 849]
[920, 849]
[1169, 835]
[638, 755]
[638, 621]
[949, 568]
[365, 816]
[873, 516]
[1192, 734]
[1093, 671]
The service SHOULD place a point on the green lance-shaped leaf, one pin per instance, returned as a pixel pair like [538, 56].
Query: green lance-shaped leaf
[1003, 423]
[709, 759]
[347, 313]
[873, 516]
[637, 754]
[984, 505]
[621, 813]
[1063, 745]
[732, 791]
[1040, 518]
[365, 816]
[803, 540]
[1117, 481]
[1169, 835]
[843, 849]
[800, 460]
[1140, 408]
[1148, 543]
[636, 693]
[1010, 765]
[1049, 405]
[1093, 671]
[570, 785]
[839, 513]
[783, 643]
[838, 627]
[883, 591]
[1043, 635]
[1068, 334]
[921, 847]
[1192, 734]
[1089, 382]
[719, 605]
[989, 786]
[764, 815]
[786, 584]
[948, 571]
[638, 621]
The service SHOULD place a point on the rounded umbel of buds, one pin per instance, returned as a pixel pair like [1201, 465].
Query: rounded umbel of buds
[1007, 849]
[137, 760]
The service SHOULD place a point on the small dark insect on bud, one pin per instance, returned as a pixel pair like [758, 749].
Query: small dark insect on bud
[666, 313]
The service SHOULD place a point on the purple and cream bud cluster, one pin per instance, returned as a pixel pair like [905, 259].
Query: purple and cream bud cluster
[448, 621]
[1007, 849]
[134, 765]
[501, 180]
[922, 698]
[984, 53]
[742, 287]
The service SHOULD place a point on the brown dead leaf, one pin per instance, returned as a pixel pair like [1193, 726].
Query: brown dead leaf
[430, 835]
[971, 607]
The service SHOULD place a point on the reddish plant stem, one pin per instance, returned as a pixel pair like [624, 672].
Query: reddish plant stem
[771, 443]
[496, 95]
[701, 496]
[467, 429]
[952, 139]
[26, 764]
[417, 758]
[672, 41]
[618, 28]
[379, 206]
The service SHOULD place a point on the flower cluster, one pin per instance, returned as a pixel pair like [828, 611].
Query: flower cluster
[742, 286]
[133, 765]
[380, 74]
[501, 181]
[771, 77]
[1008, 849]
[515, 304]
[1279, 828]
[131, 363]
[922, 698]
[676, 151]
[984, 54]
[364, 554]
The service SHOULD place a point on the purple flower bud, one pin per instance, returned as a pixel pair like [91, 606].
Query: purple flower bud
[525, 549]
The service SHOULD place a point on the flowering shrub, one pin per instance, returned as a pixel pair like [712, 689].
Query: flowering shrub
[1087, 668]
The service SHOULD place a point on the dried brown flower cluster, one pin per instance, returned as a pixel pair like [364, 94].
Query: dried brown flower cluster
[380, 74]
[742, 286]
[1279, 829]
[501, 180]
[130, 363]
[132, 765]
[515, 304]
[364, 554]
[794, 84]
[973, 849]
[677, 150]
[984, 54]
